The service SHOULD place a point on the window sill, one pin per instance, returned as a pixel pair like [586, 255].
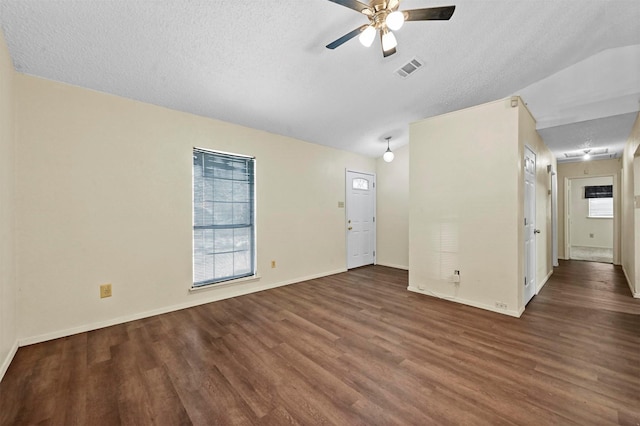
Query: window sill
[224, 283]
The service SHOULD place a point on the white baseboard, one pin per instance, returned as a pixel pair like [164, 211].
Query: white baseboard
[635, 294]
[7, 361]
[126, 318]
[544, 281]
[511, 313]
[392, 265]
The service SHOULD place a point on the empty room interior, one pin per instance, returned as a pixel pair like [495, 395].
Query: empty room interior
[322, 212]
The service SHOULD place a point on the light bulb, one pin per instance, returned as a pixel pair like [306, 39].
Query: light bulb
[388, 156]
[366, 37]
[388, 41]
[394, 20]
[586, 156]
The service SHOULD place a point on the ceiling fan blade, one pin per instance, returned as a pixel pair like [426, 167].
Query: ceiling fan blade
[393, 4]
[345, 38]
[386, 53]
[429, 14]
[355, 5]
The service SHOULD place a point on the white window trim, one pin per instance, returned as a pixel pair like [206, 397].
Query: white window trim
[231, 281]
[228, 283]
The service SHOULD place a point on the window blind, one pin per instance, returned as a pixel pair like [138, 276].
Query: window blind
[598, 191]
[600, 207]
[223, 217]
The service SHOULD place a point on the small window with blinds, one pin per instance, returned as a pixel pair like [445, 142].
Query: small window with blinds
[599, 191]
[600, 208]
[223, 217]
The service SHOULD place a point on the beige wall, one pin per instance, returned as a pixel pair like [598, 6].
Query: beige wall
[104, 195]
[466, 205]
[586, 231]
[393, 210]
[8, 337]
[588, 169]
[630, 238]
[528, 136]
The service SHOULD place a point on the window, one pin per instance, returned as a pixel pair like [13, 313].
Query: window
[601, 191]
[600, 207]
[223, 217]
[360, 183]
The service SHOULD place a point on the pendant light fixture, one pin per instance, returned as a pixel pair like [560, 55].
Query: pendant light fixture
[388, 155]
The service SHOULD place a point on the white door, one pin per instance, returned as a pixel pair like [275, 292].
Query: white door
[529, 225]
[360, 210]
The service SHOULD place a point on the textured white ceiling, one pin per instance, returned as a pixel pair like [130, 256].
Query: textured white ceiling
[264, 65]
[608, 132]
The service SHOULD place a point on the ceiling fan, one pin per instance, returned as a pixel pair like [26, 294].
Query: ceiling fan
[384, 18]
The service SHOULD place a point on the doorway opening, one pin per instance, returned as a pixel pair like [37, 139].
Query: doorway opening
[590, 218]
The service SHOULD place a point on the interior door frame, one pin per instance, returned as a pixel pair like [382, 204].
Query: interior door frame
[554, 218]
[346, 213]
[534, 244]
[616, 215]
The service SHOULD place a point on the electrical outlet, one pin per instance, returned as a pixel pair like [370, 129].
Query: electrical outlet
[273, 263]
[590, 235]
[105, 291]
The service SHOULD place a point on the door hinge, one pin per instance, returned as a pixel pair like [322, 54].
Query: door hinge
[374, 184]
[525, 281]
[374, 218]
[525, 221]
[374, 253]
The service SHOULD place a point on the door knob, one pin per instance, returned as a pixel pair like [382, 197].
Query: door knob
[536, 231]
[350, 228]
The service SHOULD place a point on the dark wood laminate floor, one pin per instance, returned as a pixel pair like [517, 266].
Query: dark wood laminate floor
[354, 348]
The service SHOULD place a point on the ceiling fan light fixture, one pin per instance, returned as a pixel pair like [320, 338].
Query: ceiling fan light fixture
[389, 41]
[367, 36]
[394, 20]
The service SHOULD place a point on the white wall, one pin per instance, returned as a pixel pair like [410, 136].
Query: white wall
[583, 169]
[630, 238]
[466, 205]
[393, 210]
[8, 337]
[104, 196]
[586, 231]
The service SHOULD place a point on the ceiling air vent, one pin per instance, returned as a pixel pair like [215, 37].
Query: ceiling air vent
[409, 68]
